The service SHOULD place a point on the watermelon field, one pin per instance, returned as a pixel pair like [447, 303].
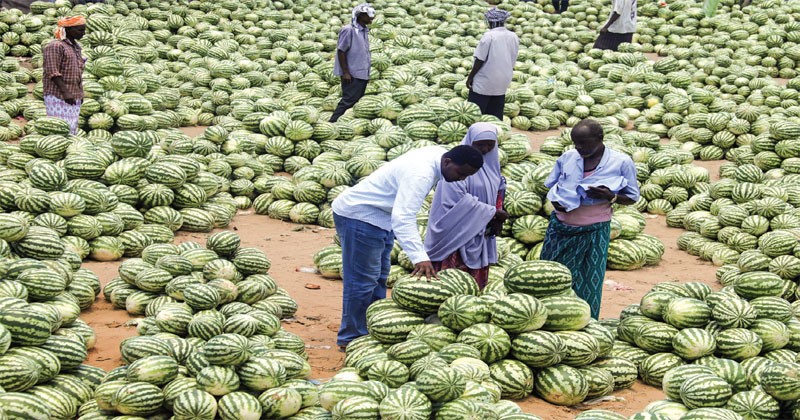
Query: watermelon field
[176, 257]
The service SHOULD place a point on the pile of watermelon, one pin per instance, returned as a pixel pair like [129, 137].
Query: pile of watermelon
[525, 333]
[716, 352]
[210, 340]
[745, 222]
[43, 342]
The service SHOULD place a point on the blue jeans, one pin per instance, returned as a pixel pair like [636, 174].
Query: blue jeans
[366, 260]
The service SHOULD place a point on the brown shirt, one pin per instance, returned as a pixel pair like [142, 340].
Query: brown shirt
[63, 58]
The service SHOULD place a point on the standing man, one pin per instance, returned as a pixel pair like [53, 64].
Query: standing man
[63, 71]
[494, 65]
[584, 185]
[620, 26]
[353, 59]
[560, 6]
[385, 204]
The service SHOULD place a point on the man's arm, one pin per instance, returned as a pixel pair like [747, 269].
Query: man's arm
[346, 77]
[345, 41]
[630, 194]
[476, 67]
[410, 195]
[481, 54]
[614, 17]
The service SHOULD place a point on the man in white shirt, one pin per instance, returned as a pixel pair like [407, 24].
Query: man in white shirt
[620, 26]
[369, 215]
[493, 70]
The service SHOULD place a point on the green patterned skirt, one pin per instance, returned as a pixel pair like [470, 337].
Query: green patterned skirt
[584, 250]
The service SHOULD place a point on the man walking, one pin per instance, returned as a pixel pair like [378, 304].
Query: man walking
[494, 65]
[63, 71]
[369, 215]
[353, 59]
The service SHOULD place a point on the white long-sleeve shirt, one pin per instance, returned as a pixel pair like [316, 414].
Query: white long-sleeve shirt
[392, 195]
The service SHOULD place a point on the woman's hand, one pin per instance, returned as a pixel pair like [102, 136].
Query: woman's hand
[600, 193]
[494, 228]
[558, 206]
[501, 215]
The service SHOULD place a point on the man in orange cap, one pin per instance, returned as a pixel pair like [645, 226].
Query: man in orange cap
[63, 71]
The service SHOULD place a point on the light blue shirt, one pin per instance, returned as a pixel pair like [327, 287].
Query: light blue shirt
[568, 185]
[392, 195]
[354, 42]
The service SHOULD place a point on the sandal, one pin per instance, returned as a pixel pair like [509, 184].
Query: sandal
[343, 349]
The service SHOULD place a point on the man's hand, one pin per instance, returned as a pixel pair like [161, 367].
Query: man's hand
[558, 206]
[603, 30]
[600, 193]
[424, 268]
[470, 79]
[347, 78]
[70, 101]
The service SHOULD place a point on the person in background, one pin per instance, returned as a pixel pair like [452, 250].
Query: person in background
[466, 216]
[494, 65]
[560, 6]
[369, 215]
[353, 58]
[620, 27]
[63, 71]
[584, 184]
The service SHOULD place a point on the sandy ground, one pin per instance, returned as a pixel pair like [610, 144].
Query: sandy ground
[290, 248]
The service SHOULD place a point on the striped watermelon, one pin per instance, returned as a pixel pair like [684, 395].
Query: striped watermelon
[757, 284]
[280, 402]
[755, 404]
[405, 403]
[654, 367]
[782, 381]
[561, 385]
[686, 313]
[705, 390]
[518, 313]
[566, 313]
[738, 344]
[538, 278]
[137, 399]
[461, 311]
[693, 343]
[493, 342]
[441, 384]
[195, 404]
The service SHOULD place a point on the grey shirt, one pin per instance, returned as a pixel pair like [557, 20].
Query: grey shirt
[353, 41]
[498, 49]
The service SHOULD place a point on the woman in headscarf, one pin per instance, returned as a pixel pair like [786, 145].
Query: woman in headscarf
[466, 216]
[63, 65]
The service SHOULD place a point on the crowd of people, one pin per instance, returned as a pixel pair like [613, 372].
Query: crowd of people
[467, 209]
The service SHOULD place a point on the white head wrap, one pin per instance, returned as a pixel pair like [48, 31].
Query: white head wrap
[362, 8]
[496, 16]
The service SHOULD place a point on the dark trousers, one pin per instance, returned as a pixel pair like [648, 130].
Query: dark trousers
[560, 5]
[489, 105]
[351, 93]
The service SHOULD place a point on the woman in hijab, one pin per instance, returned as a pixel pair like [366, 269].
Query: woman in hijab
[466, 216]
